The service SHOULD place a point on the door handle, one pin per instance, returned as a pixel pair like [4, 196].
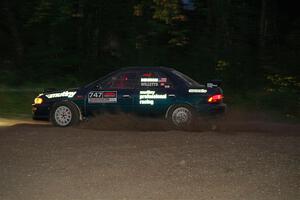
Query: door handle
[171, 95]
[126, 96]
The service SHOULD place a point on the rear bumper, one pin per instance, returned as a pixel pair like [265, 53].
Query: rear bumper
[218, 109]
[212, 109]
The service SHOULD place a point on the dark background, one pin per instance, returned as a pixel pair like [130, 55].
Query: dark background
[252, 45]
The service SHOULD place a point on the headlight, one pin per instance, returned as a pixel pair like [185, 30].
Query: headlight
[38, 100]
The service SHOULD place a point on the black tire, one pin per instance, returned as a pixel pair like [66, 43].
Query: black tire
[64, 114]
[181, 116]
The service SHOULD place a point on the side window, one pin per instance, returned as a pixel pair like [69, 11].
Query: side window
[124, 80]
[154, 79]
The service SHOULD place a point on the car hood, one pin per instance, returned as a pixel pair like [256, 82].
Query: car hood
[68, 93]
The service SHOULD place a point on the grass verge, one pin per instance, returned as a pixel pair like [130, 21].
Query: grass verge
[16, 103]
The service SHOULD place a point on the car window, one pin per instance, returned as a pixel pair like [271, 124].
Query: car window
[154, 79]
[189, 81]
[123, 80]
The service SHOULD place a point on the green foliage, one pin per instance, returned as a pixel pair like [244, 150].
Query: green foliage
[167, 11]
[283, 92]
[16, 103]
[280, 83]
[51, 12]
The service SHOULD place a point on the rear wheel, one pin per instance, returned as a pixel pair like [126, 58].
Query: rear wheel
[180, 116]
[64, 114]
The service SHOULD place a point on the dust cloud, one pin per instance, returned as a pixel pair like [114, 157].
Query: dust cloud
[124, 122]
[232, 121]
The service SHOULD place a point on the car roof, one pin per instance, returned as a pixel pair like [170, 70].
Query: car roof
[141, 68]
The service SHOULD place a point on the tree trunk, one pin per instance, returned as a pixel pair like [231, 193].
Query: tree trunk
[263, 24]
[268, 34]
[79, 17]
[95, 34]
[210, 15]
[13, 30]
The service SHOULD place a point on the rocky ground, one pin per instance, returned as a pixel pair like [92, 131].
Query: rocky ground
[248, 160]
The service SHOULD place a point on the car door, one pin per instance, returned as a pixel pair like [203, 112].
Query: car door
[115, 94]
[156, 93]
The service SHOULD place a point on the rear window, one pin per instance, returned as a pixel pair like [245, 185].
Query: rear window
[189, 81]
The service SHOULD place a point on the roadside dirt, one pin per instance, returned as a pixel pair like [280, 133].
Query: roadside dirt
[249, 158]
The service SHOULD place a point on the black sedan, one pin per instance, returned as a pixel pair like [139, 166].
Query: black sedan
[145, 91]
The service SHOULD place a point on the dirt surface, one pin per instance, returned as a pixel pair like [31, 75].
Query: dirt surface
[241, 160]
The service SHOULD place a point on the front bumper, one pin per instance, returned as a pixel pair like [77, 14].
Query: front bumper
[41, 112]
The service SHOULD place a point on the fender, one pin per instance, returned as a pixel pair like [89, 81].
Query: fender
[80, 113]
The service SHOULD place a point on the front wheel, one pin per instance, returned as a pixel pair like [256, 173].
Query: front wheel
[64, 114]
[180, 116]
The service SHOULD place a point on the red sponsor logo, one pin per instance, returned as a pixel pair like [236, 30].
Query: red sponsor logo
[109, 94]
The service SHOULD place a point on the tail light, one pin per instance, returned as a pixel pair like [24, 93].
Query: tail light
[217, 98]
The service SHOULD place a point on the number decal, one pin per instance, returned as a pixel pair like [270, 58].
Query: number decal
[102, 97]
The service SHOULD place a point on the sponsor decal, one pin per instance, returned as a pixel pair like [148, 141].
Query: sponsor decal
[110, 94]
[149, 79]
[102, 97]
[197, 90]
[61, 94]
[149, 84]
[162, 80]
[153, 82]
[147, 102]
[210, 85]
[148, 96]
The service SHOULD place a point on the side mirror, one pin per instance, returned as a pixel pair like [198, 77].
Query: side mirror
[97, 87]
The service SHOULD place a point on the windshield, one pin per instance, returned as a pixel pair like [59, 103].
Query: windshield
[100, 79]
[189, 81]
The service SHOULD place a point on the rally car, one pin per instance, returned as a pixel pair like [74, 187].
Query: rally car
[144, 91]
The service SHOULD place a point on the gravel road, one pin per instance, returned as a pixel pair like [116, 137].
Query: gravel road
[41, 162]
